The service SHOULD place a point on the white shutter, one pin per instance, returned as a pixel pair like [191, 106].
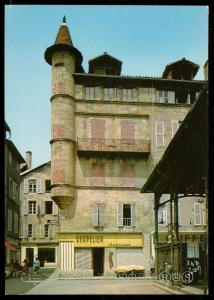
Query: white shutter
[159, 133]
[24, 231]
[197, 213]
[42, 207]
[25, 207]
[55, 209]
[101, 214]
[171, 97]
[204, 214]
[179, 213]
[34, 228]
[133, 215]
[42, 231]
[94, 212]
[120, 214]
[97, 92]
[134, 94]
[26, 186]
[174, 127]
[39, 186]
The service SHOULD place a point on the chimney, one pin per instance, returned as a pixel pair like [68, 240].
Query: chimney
[29, 159]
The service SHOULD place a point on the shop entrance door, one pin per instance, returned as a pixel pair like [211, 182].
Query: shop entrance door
[29, 255]
[98, 261]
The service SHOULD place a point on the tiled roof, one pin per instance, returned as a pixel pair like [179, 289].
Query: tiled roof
[136, 77]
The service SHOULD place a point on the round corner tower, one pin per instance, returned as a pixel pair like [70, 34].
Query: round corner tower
[64, 59]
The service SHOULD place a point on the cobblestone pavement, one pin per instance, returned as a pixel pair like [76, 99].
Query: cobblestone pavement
[19, 286]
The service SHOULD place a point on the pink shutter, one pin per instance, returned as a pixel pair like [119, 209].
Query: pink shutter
[61, 87]
[98, 174]
[58, 130]
[127, 130]
[58, 177]
[128, 174]
[97, 129]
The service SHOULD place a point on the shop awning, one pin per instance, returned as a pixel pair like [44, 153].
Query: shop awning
[10, 246]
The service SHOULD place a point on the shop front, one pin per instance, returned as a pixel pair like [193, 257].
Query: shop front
[192, 252]
[100, 252]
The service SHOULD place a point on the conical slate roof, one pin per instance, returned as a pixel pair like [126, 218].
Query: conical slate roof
[63, 36]
[63, 42]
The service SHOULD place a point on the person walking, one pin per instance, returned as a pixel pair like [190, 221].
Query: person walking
[26, 262]
[36, 265]
[152, 265]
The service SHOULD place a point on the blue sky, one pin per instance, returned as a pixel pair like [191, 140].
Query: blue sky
[144, 38]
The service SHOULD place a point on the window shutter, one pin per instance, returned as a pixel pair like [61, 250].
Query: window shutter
[127, 129]
[24, 231]
[98, 174]
[134, 94]
[34, 227]
[55, 209]
[204, 214]
[42, 207]
[171, 97]
[25, 207]
[120, 214]
[128, 174]
[133, 215]
[97, 93]
[174, 127]
[97, 129]
[101, 214]
[42, 231]
[39, 186]
[197, 214]
[25, 186]
[94, 214]
[160, 133]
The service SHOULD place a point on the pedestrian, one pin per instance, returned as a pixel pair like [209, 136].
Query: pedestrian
[36, 265]
[15, 268]
[152, 265]
[26, 262]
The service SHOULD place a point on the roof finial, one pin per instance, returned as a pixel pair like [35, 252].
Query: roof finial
[64, 19]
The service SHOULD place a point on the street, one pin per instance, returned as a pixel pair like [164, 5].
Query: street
[46, 282]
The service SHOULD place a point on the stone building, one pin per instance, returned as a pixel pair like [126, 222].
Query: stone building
[12, 198]
[39, 216]
[108, 133]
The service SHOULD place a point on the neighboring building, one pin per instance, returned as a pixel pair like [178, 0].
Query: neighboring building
[39, 216]
[192, 230]
[108, 133]
[12, 199]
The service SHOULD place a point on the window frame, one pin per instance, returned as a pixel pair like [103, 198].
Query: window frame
[46, 203]
[108, 94]
[32, 206]
[89, 93]
[30, 230]
[32, 185]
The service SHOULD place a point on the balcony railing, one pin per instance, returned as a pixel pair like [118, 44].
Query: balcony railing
[126, 221]
[113, 145]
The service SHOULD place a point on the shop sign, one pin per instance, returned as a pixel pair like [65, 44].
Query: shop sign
[103, 240]
[185, 237]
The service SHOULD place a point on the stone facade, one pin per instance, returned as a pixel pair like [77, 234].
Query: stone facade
[39, 217]
[108, 133]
